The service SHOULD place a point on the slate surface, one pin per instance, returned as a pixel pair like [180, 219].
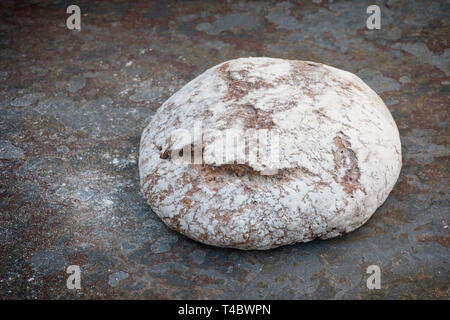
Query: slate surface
[73, 105]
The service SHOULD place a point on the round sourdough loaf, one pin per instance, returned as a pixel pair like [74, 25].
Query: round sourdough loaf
[321, 153]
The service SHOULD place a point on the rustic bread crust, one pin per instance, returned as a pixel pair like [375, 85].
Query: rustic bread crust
[339, 155]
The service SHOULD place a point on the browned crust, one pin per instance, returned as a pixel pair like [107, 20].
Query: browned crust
[345, 157]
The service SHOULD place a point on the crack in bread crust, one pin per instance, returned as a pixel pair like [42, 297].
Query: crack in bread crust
[345, 158]
[339, 155]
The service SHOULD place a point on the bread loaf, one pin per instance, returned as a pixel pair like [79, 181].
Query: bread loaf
[256, 153]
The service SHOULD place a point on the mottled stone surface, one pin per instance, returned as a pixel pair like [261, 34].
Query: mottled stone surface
[73, 105]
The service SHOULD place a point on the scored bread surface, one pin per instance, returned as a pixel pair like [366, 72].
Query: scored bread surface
[339, 155]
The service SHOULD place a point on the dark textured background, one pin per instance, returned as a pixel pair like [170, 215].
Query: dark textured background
[73, 105]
